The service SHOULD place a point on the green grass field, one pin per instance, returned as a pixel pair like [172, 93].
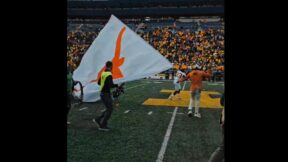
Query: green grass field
[137, 136]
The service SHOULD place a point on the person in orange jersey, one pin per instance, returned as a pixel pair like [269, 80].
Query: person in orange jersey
[196, 76]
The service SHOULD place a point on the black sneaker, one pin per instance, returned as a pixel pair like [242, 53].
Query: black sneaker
[97, 122]
[106, 129]
[189, 114]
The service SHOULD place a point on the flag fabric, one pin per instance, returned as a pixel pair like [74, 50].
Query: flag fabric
[132, 57]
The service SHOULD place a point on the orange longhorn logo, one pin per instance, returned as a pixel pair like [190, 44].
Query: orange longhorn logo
[117, 61]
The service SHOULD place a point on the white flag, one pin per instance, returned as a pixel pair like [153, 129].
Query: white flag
[132, 58]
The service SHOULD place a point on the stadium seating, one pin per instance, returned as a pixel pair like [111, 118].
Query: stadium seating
[183, 44]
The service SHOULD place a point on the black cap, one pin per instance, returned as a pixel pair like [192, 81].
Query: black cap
[108, 64]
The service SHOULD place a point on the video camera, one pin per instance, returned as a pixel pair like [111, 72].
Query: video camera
[119, 90]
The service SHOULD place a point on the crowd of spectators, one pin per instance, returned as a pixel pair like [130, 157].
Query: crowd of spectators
[181, 46]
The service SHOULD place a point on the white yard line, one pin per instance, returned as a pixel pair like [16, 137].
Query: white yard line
[168, 133]
[135, 86]
[166, 137]
[83, 108]
[126, 111]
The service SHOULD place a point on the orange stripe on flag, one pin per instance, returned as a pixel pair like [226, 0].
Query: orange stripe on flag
[117, 61]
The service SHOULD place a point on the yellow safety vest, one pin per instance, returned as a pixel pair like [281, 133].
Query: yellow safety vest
[104, 75]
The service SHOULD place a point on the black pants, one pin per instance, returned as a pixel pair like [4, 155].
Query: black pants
[68, 103]
[107, 100]
[218, 154]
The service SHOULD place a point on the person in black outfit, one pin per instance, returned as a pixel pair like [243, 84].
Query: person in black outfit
[106, 83]
[218, 154]
[69, 90]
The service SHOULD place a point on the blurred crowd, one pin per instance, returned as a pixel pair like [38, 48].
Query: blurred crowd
[182, 47]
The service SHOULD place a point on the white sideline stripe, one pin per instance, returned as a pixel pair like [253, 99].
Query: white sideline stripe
[150, 112]
[83, 108]
[126, 111]
[184, 86]
[166, 137]
[216, 84]
[134, 86]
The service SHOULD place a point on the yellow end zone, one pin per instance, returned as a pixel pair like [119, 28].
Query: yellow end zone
[205, 101]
